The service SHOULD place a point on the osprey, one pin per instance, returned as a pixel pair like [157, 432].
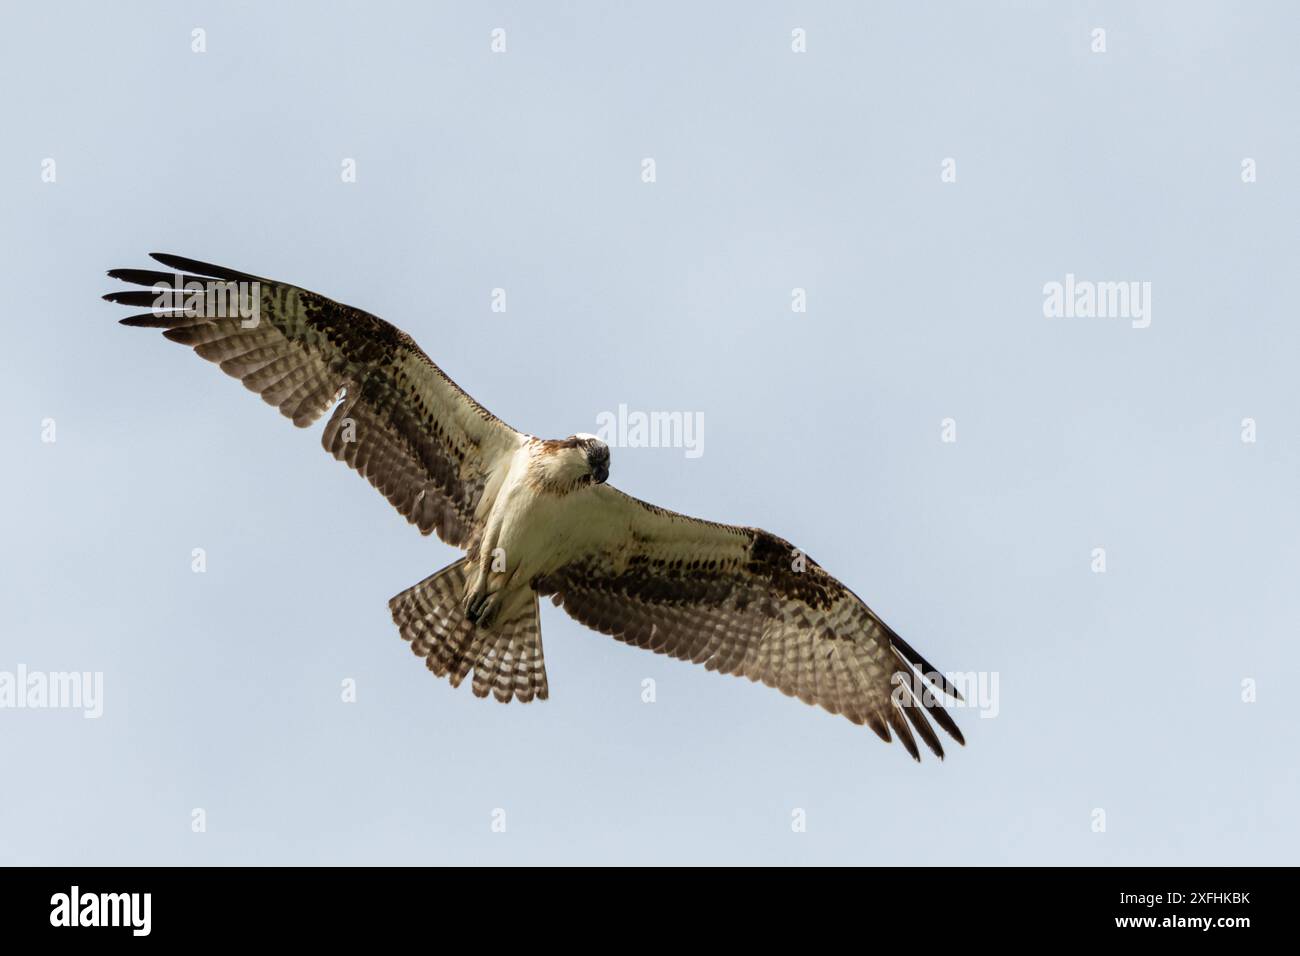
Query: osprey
[536, 517]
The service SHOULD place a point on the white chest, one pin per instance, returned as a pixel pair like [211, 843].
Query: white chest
[532, 532]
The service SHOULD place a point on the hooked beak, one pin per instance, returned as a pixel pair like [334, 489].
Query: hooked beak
[600, 474]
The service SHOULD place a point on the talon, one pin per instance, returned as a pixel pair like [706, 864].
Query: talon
[474, 606]
[487, 611]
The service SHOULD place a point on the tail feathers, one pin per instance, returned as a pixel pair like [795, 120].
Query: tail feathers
[506, 658]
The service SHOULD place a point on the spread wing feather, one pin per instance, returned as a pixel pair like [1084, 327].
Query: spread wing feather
[745, 602]
[425, 444]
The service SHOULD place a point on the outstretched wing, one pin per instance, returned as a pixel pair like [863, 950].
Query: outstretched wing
[743, 601]
[403, 424]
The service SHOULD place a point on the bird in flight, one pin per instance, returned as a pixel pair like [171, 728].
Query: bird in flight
[536, 518]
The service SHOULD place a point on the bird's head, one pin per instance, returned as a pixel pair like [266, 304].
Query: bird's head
[567, 463]
[596, 454]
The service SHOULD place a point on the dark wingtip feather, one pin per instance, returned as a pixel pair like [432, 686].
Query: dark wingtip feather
[879, 726]
[927, 699]
[131, 297]
[916, 714]
[142, 276]
[928, 670]
[903, 732]
[137, 276]
[153, 320]
[942, 718]
[182, 264]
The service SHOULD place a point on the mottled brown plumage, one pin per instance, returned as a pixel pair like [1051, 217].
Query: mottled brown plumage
[536, 518]
[743, 601]
[306, 350]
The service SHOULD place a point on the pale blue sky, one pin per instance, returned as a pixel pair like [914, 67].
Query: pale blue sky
[776, 170]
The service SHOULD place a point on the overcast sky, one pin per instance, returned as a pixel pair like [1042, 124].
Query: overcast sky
[921, 171]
